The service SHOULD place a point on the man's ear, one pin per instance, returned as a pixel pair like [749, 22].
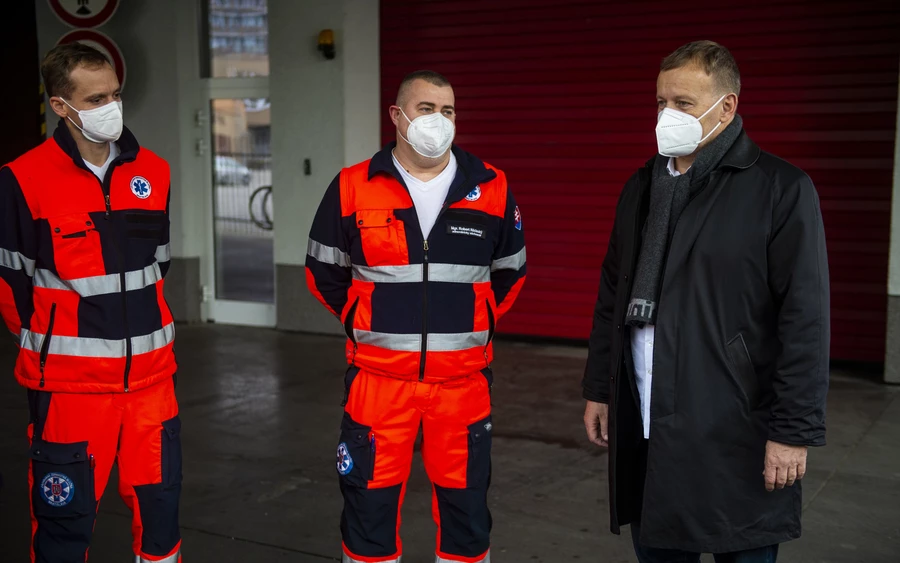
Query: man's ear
[59, 107]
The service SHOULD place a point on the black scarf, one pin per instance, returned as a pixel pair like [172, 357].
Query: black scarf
[669, 195]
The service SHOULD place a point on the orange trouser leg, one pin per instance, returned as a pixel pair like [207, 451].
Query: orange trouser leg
[381, 421]
[73, 447]
[150, 471]
[456, 449]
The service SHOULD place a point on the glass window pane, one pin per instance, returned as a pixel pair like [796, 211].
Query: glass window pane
[242, 180]
[238, 38]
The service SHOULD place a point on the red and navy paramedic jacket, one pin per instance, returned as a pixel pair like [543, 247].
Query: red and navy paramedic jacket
[411, 307]
[82, 262]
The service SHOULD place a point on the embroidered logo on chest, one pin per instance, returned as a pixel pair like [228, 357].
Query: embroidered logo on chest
[140, 187]
[466, 229]
[475, 194]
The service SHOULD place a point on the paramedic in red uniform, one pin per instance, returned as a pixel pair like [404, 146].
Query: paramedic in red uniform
[419, 251]
[84, 247]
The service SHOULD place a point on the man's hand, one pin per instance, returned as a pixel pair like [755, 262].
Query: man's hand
[596, 417]
[784, 465]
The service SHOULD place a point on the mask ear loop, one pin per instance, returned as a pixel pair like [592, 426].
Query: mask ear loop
[713, 130]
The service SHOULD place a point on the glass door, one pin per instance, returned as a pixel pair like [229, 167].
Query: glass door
[240, 164]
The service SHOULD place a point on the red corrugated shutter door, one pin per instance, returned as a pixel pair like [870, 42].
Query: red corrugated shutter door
[561, 95]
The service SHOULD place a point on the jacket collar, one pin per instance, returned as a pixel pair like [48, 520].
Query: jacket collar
[471, 168]
[127, 143]
[743, 153]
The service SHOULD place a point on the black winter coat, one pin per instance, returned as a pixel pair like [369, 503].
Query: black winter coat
[740, 357]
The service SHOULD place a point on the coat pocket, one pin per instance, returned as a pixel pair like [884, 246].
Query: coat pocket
[63, 485]
[356, 453]
[383, 237]
[743, 369]
[478, 467]
[171, 452]
[76, 246]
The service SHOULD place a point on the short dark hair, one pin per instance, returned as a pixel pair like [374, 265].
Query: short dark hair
[713, 58]
[429, 76]
[58, 64]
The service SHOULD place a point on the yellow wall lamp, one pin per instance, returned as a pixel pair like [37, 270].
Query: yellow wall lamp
[326, 43]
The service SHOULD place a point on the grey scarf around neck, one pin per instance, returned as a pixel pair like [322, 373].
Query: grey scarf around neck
[669, 195]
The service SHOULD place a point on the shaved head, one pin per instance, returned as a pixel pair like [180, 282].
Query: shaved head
[428, 76]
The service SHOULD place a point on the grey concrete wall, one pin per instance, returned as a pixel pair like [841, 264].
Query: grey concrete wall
[892, 357]
[324, 111]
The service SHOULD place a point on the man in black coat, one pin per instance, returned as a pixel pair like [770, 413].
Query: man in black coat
[708, 364]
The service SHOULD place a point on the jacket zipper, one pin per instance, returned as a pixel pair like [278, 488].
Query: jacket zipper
[491, 328]
[104, 186]
[424, 311]
[45, 342]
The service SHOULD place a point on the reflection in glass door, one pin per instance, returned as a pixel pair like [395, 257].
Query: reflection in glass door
[242, 206]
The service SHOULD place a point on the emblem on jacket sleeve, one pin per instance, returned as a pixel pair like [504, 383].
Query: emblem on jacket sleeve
[140, 187]
[518, 218]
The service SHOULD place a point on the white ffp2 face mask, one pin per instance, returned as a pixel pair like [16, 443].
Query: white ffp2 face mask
[100, 125]
[429, 135]
[679, 133]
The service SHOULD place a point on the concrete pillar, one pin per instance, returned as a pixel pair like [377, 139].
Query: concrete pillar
[323, 111]
[892, 357]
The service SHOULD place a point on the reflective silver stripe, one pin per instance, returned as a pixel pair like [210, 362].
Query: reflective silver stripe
[154, 340]
[437, 342]
[100, 285]
[413, 273]
[347, 559]
[458, 273]
[97, 347]
[514, 262]
[389, 341]
[389, 274]
[328, 254]
[16, 261]
[170, 559]
[485, 559]
[453, 342]
[163, 253]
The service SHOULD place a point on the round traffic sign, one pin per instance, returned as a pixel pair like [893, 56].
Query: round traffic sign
[84, 13]
[102, 43]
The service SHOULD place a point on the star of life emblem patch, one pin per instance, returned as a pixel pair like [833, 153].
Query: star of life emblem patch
[344, 461]
[140, 187]
[475, 194]
[57, 489]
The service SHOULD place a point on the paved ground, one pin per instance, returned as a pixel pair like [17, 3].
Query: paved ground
[261, 414]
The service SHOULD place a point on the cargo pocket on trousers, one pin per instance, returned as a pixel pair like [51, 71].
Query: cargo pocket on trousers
[63, 480]
[171, 452]
[356, 453]
[478, 468]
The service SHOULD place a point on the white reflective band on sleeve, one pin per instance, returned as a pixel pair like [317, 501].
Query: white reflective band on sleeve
[16, 261]
[97, 347]
[414, 273]
[100, 285]
[347, 559]
[170, 559]
[163, 253]
[485, 559]
[437, 342]
[328, 254]
[514, 262]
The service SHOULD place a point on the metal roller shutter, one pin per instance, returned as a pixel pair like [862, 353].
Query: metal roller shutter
[561, 95]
